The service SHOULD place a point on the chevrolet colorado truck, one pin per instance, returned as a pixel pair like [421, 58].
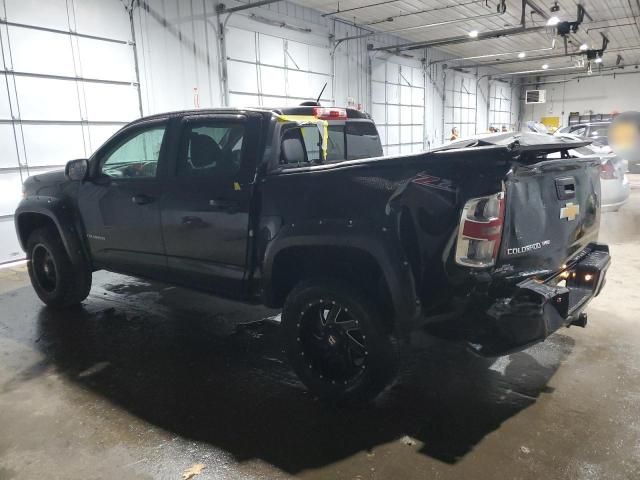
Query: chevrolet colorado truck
[296, 208]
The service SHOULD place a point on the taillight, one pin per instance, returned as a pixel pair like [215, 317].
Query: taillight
[480, 231]
[607, 171]
[328, 113]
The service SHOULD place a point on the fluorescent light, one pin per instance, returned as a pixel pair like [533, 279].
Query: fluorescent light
[545, 66]
[553, 21]
[473, 33]
[598, 60]
[584, 47]
[522, 55]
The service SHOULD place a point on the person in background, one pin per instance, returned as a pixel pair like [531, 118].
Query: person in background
[454, 134]
[504, 128]
[493, 129]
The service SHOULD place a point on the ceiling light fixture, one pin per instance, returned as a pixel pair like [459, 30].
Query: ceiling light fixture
[473, 33]
[522, 55]
[584, 47]
[553, 21]
[545, 66]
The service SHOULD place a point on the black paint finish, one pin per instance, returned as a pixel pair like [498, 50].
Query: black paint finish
[232, 235]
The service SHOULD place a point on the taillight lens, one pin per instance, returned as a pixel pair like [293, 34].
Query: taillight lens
[480, 231]
[330, 113]
[607, 171]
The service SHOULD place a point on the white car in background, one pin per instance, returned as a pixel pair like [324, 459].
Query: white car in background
[614, 183]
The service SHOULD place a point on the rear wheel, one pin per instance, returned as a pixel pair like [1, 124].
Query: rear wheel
[55, 279]
[336, 342]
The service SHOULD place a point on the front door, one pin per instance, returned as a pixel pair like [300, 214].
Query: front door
[120, 204]
[205, 212]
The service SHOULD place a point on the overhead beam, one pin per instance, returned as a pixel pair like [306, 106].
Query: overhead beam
[518, 60]
[222, 8]
[460, 39]
[415, 27]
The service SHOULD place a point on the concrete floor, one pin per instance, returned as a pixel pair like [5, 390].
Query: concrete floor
[147, 380]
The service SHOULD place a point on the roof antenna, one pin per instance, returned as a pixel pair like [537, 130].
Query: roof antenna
[321, 92]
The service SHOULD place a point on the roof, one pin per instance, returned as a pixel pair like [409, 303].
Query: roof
[296, 110]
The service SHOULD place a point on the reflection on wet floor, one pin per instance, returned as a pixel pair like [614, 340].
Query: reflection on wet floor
[215, 371]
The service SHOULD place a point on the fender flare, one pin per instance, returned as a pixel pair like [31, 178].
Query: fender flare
[388, 256]
[62, 215]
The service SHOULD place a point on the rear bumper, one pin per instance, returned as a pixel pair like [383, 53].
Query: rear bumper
[539, 308]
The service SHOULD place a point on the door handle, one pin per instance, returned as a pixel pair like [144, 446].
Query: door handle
[566, 188]
[142, 199]
[221, 204]
[195, 222]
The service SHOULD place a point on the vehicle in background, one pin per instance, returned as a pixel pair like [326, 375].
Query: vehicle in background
[614, 183]
[598, 133]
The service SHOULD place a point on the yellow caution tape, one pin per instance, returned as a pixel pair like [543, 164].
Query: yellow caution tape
[323, 126]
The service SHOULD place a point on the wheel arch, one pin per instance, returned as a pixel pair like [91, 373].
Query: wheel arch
[376, 267]
[31, 215]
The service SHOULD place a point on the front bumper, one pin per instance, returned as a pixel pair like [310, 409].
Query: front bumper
[540, 307]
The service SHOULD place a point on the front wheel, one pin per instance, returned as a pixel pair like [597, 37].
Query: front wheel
[336, 342]
[55, 279]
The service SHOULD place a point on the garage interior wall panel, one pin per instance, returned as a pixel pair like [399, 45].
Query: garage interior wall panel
[597, 94]
[460, 104]
[500, 105]
[61, 94]
[398, 103]
[46, 121]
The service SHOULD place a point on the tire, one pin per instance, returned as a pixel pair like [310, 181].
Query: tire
[336, 342]
[57, 282]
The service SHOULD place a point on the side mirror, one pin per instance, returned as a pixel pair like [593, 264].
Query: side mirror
[77, 169]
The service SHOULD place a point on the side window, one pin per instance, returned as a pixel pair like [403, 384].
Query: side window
[362, 140]
[211, 149]
[137, 156]
[579, 131]
[312, 144]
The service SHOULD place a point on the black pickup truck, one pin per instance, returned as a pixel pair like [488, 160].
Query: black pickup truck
[296, 208]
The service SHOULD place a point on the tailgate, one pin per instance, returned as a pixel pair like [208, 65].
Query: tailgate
[552, 213]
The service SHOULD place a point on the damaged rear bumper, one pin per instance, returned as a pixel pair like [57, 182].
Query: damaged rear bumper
[539, 308]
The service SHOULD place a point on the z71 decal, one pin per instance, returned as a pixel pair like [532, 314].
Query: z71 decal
[434, 182]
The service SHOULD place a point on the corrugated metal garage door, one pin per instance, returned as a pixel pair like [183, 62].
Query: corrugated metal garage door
[67, 83]
[460, 104]
[500, 105]
[270, 71]
[397, 97]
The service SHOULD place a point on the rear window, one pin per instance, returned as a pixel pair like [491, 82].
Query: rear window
[362, 140]
[347, 141]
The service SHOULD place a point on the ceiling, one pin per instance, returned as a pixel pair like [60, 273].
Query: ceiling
[618, 19]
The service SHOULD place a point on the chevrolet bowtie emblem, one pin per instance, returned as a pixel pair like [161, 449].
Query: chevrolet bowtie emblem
[570, 211]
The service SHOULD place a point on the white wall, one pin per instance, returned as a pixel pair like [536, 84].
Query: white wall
[595, 94]
[46, 121]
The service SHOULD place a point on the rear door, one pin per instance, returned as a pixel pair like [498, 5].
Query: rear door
[552, 212]
[206, 206]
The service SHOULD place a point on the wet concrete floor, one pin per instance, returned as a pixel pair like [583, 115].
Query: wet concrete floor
[146, 380]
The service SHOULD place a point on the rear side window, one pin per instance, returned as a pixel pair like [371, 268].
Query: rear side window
[347, 141]
[211, 148]
[362, 140]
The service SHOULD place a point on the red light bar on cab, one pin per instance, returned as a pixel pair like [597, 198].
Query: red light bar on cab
[329, 113]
